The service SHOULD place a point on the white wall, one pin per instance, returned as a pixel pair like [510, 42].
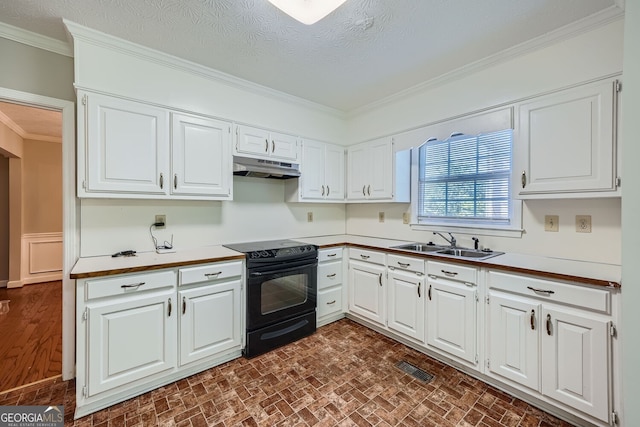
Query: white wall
[258, 212]
[588, 56]
[629, 336]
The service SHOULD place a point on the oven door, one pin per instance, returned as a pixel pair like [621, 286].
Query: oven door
[279, 292]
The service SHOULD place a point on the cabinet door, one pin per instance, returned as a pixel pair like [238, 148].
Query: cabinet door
[380, 170]
[209, 320]
[283, 146]
[357, 171]
[367, 284]
[452, 321]
[334, 172]
[201, 156]
[406, 304]
[252, 141]
[313, 179]
[127, 146]
[565, 141]
[514, 340]
[130, 339]
[575, 361]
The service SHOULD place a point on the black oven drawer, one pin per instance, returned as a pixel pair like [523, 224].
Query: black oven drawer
[270, 337]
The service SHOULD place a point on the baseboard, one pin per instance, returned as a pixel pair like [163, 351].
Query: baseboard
[40, 278]
[14, 284]
[4, 283]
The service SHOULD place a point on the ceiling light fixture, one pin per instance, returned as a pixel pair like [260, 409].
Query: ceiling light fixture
[307, 11]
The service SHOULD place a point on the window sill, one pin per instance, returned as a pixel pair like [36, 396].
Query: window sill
[471, 229]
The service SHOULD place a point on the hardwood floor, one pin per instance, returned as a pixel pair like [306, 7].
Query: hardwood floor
[31, 343]
[343, 375]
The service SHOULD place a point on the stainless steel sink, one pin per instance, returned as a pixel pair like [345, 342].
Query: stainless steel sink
[419, 247]
[445, 251]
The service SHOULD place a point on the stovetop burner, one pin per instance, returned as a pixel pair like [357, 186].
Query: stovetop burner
[273, 249]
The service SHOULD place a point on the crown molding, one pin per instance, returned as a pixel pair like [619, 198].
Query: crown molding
[129, 48]
[6, 120]
[24, 135]
[36, 40]
[597, 20]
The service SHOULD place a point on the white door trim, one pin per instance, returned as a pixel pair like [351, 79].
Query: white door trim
[70, 215]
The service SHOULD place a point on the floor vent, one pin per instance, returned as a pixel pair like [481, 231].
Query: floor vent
[414, 371]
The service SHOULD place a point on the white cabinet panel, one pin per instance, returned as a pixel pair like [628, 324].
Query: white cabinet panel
[201, 150]
[284, 146]
[334, 171]
[129, 340]
[322, 171]
[329, 301]
[406, 304]
[370, 170]
[209, 321]
[262, 143]
[565, 142]
[514, 339]
[367, 285]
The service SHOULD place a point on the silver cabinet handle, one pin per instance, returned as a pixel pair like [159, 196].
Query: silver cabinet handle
[368, 190]
[429, 293]
[533, 320]
[541, 291]
[331, 302]
[419, 289]
[364, 256]
[364, 187]
[273, 146]
[328, 191]
[323, 190]
[332, 255]
[184, 305]
[549, 324]
[161, 181]
[266, 145]
[380, 279]
[331, 275]
[208, 275]
[169, 308]
[175, 181]
[403, 264]
[132, 286]
[449, 273]
[524, 179]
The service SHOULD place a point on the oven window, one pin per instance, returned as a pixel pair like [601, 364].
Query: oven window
[283, 292]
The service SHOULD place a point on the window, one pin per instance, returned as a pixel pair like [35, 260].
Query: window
[465, 181]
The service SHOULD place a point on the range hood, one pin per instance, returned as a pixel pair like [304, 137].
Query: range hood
[259, 168]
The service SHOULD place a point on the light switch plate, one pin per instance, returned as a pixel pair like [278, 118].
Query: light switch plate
[380, 216]
[310, 216]
[551, 223]
[406, 218]
[583, 223]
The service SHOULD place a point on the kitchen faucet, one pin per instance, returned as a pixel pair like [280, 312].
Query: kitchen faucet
[451, 241]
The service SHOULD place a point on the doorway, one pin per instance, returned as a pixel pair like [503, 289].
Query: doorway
[62, 291]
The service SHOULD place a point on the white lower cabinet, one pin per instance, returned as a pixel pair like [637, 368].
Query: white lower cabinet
[330, 286]
[367, 285]
[406, 307]
[552, 338]
[452, 319]
[136, 332]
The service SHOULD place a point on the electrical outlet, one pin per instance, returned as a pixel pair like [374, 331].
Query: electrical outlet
[309, 216]
[583, 223]
[162, 219]
[380, 216]
[551, 223]
[406, 218]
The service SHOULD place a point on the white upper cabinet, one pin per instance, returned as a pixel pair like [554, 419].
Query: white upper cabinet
[201, 149]
[565, 143]
[322, 171]
[123, 148]
[370, 170]
[261, 143]
[129, 149]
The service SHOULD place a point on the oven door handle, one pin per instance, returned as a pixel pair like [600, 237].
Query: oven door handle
[284, 270]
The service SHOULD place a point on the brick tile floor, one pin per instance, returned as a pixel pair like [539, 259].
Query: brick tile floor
[343, 375]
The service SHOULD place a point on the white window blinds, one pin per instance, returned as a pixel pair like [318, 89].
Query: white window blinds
[466, 178]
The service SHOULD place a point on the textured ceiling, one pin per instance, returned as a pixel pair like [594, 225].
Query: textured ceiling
[32, 123]
[364, 51]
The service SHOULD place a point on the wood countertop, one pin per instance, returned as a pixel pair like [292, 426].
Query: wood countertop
[583, 272]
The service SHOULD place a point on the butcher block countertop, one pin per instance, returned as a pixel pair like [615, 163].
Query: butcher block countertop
[582, 272]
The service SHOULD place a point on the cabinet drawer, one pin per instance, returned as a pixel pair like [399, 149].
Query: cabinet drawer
[580, 296]
[329, 274]
[129, 283]
[206, 273]
[329, 254]
[329, 301]
[366, 255]
[449, 271]
[405, 263]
